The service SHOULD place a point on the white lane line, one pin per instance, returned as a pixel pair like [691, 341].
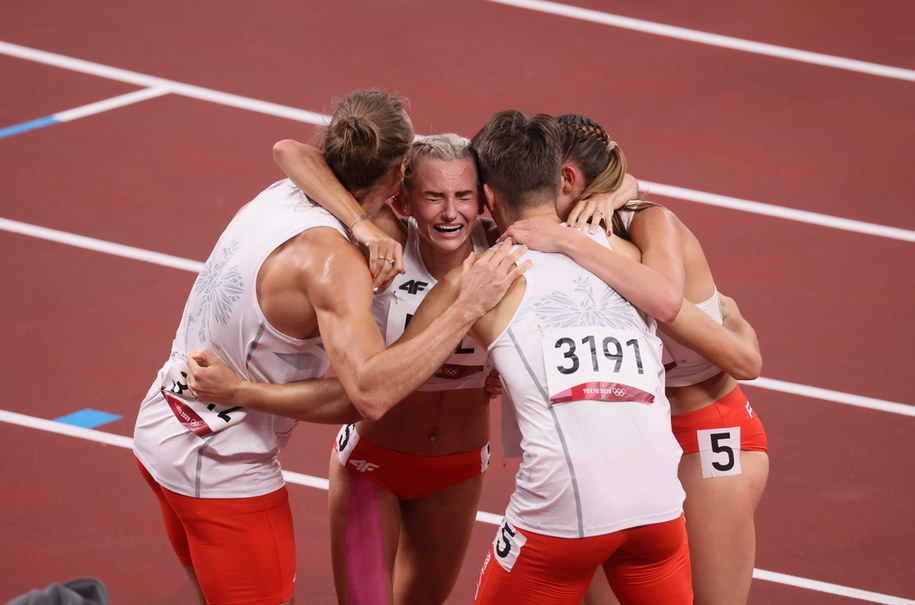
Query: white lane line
[69, 115]
[836, 589]
[692, 35]
[90, 243]
[791, 214]
[147, 81]
[61, 428]
[113, 103]
[291, 113]
[483, 517]
[834, 396]
[176, 262]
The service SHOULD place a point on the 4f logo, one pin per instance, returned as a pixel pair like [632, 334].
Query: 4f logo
[364, 466]
[413, 286]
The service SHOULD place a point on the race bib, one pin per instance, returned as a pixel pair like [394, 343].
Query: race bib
[599, 363]
[719, 451]
[202, 419]
[507, 545]
[467, 360]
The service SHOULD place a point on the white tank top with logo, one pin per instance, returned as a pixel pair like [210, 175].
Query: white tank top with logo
[393, 309]
[583, 371]
[229, 452]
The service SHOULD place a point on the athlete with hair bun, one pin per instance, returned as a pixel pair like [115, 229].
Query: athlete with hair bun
[284, 295]
[396, 482]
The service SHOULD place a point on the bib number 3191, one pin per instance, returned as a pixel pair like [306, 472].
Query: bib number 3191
[599, 363]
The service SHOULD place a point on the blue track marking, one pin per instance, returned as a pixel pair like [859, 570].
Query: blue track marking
[26, 126]
[88, 418]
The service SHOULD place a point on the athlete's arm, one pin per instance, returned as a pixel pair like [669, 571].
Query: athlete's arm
[306, 167]
[441, 297]
[322, 401]
[656, 232]
[643, 286]
[374, 378]
[659, 234]
[733, 347]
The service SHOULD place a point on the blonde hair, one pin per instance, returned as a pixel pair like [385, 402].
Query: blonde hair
[447, 147]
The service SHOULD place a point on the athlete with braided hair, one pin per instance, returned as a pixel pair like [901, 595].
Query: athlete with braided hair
[724, 465]
[597, 486]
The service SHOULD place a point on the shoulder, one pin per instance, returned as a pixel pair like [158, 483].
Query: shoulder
[653, 224]
[321, 249]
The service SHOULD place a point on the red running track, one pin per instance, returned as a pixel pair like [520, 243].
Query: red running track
[87, 329]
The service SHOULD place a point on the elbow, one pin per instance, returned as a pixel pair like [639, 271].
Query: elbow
[668, 308]
[282, 149]
[371, 407]
[749, 368]
[370, 413]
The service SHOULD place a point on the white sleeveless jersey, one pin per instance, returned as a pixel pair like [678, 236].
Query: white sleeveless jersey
[684, 366]
[583, 371]
[231, 452]
[393, 309]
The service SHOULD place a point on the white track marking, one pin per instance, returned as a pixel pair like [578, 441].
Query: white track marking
[692, 35]
[291, 113]
[483, 517]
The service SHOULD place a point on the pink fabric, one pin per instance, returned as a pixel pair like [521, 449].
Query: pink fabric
[365, 569]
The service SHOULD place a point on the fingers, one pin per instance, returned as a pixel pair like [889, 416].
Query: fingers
[386, 262]
[505, 258]
[512, 257]
[585, 215]
[203, 358]
[574, 212]
[509, 233]
[518, 270]
[385, 254]
[502, 253]
[589, 213]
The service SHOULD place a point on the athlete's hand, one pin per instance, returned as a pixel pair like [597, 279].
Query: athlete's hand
[493, 385]
[589, 213]
[730, 313]
[486, 277]
[538, 233]
[210, 380]
[385, 254]
[601, 206]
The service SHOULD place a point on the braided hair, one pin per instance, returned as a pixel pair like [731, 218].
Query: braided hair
[588, 146]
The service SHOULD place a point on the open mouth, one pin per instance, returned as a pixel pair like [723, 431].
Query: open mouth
[448, 229]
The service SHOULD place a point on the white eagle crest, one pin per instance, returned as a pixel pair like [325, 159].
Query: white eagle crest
[218, 287]
[558, 309]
